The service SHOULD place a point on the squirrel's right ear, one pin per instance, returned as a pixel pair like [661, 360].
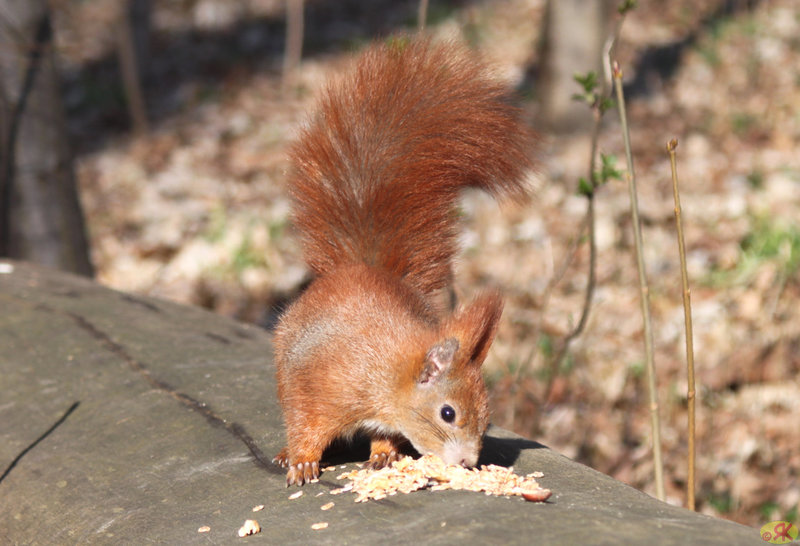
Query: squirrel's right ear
[476, 325]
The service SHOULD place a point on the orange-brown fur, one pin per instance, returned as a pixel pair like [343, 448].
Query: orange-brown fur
[375, 177]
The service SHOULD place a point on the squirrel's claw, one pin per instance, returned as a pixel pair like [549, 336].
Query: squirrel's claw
[301, 473]
[282, 458]
[380, 459]
[383, 452]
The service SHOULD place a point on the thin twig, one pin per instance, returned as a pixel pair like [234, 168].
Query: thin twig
[130, 66]
[422, 15]
[293, 48]
[643, 287]
[544, 302]
[589, 220]
[687, 317]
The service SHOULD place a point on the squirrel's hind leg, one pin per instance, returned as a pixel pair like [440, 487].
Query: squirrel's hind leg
[303, 453]
[302, 472]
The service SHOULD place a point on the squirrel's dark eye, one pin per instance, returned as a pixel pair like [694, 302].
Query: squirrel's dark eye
[448, 414]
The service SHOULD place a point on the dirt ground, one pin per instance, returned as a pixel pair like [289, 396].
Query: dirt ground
[196, 211]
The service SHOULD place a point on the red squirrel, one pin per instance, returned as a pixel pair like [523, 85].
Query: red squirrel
[375, 176]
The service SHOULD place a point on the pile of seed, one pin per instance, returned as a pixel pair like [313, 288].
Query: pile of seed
[408, 474]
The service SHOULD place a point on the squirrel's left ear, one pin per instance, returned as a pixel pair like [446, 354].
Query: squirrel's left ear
[476, 325]
[439, 358]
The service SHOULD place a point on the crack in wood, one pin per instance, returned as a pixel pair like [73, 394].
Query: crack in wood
[235, 429]
[36, 442]
[202, 408]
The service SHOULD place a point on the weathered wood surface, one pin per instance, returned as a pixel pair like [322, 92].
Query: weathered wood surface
[127, 420]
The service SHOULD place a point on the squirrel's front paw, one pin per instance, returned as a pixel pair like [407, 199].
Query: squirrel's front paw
[383, 452]
[300, 473]
[380, 460]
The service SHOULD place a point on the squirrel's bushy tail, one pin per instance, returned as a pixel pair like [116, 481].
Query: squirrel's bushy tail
[376, 171]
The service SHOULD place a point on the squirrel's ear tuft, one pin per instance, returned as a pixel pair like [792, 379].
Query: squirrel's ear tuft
[476, 326]
[439, 358]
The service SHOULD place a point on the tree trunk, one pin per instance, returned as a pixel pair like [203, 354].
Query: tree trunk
[574, 35]
[40, 215]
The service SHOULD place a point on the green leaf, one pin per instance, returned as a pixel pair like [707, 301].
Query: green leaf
[585, 187]
[588, 82]
[609, 170]
[606, 103]
[626, 6]
[580, 97]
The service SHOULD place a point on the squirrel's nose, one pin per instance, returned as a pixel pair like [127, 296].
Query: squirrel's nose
[463, 454]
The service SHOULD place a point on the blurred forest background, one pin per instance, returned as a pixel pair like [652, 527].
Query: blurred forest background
[188, 203]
